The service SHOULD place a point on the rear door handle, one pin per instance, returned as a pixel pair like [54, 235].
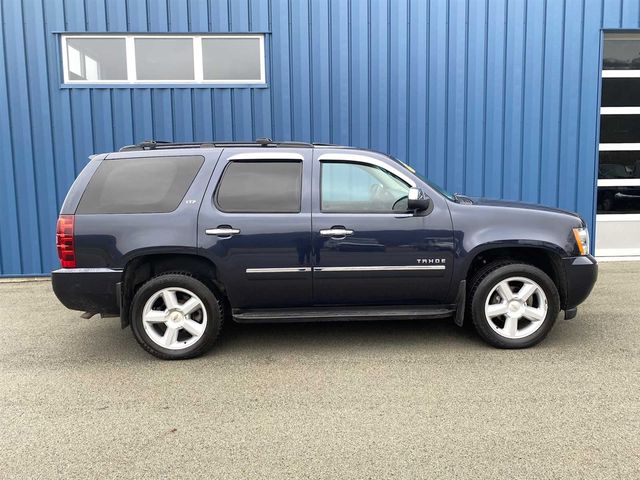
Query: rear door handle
[336, 232]
[222, 231]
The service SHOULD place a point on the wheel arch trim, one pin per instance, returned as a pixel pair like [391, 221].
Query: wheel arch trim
[165, 261]
[553, 253]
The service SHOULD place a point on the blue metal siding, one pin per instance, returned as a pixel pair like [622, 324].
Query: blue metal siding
[497, 98]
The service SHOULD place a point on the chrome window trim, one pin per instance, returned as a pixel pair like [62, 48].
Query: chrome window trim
[352, 157]
[266, 156]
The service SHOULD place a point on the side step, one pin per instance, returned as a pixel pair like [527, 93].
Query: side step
[337, 314]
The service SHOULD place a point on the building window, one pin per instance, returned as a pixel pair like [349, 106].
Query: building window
[621, 53]
[149, 59]
[164, 59]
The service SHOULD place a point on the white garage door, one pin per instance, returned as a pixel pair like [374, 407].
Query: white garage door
[618, 215]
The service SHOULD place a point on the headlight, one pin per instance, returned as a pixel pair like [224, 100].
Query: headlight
[582, 239]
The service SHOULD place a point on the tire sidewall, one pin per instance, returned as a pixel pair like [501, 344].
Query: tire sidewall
[181, 281]
[485, 287]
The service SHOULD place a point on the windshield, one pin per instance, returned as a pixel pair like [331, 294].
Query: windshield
[437, 188]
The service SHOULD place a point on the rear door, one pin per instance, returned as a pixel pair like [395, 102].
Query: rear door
[368, 249]
[255, 225]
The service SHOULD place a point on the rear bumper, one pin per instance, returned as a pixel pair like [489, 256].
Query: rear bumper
[581, 274]
[88, 289]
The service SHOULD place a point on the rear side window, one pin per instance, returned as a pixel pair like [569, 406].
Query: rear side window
[139, 185]
[260, 187]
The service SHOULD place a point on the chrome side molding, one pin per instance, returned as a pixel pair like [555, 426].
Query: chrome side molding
[279, 270]
[392, 268]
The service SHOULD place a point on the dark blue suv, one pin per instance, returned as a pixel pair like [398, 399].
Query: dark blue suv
[175, 238]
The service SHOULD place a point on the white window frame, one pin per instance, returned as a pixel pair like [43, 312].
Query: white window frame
[130, 55]
[610, 73]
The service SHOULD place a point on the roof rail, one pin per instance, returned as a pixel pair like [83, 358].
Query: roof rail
[157, 144]
[162, 144]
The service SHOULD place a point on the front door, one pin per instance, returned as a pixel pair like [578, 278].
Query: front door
[368, 249]
[255, 225]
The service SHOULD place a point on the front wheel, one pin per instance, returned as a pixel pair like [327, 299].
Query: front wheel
[175, 316]
[513, 305]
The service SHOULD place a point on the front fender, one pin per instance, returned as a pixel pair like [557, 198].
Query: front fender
[479, 228]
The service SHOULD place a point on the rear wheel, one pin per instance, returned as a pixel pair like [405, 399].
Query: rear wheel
[175, 316]
[513, 305]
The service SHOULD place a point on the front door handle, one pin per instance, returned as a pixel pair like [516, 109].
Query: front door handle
[336, 232]
[222, 231]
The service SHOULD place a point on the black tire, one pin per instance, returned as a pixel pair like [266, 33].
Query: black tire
[212, 305]
[483, 283]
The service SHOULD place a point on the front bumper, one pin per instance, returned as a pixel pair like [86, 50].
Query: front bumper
[581, 274]
[92, 290]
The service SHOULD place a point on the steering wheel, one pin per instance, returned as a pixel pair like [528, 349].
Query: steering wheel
[379, 194]
[375, 191]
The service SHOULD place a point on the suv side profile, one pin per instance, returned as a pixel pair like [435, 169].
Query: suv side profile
[177, 238]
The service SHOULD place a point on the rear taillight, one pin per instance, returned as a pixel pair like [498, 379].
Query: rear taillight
[64, 241]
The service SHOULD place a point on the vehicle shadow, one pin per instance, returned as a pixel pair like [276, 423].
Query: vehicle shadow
[345, 335]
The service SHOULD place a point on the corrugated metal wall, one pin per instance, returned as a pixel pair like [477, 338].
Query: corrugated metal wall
[488, 97]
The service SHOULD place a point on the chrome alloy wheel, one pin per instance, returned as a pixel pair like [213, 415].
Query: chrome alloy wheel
[516, 307]
[174, 318]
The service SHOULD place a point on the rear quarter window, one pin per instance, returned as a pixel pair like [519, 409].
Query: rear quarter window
[139, 185]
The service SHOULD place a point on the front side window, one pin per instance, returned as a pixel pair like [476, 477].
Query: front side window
[163, 58]
[357, 187]
[260, 187]
[139, 185]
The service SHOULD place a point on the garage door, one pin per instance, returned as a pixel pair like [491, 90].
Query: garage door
[618, 215]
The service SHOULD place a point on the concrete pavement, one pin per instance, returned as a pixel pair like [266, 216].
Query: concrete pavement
[80, 399]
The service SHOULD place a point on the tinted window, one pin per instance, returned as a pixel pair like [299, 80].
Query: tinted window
[622, 52]
[260, 187]
[619, 128]
[619, 165]
[354, 187]
[621, 92]
[139, 185]
[624, 199]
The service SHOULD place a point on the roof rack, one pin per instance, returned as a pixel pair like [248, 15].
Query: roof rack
[262, 141]
[158, 144]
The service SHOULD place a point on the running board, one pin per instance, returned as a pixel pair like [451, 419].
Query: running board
[337, 314]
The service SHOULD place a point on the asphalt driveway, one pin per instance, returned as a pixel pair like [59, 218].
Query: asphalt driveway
[80, 399]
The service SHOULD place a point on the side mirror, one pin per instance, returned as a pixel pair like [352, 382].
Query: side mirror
[417, 199]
